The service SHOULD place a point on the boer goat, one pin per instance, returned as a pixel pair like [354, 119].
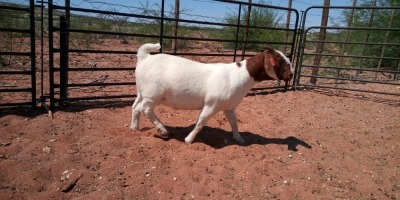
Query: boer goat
[185, 84]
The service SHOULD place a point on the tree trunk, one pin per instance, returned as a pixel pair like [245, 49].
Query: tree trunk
[246, 33]
[288, 24]
[346, 39]
[175, 27]
[320, 46]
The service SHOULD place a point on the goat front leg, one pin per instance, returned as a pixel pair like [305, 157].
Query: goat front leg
[230, 114]
[206, 113]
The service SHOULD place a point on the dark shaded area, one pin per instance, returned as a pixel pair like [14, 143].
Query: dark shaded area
[215, 137]
[78, 106]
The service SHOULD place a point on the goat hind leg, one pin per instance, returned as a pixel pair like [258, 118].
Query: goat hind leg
[136, 109]
[148, 107]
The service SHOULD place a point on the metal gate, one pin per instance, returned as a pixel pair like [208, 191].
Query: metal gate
[356, 54]
[17, 55]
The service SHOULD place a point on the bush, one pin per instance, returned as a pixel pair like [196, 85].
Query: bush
[259, 17]
[381, 20]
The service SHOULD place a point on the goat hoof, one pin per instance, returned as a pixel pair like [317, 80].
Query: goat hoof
[134, 128]
[240, 141]
[162, 134]
[188, 140]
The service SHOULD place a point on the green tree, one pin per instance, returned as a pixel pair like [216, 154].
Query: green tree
[381, 18]
[259, 17]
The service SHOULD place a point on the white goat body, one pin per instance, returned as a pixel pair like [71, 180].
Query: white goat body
[185, 84]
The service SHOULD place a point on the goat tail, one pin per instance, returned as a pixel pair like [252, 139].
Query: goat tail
[145, 50]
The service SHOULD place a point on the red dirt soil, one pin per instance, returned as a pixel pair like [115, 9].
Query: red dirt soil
[311, 144]
[308, 144]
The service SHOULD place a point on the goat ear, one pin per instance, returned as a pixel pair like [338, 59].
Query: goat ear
[269, 69]
[270, 49]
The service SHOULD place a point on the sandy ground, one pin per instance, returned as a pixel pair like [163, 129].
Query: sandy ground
[308, 144]
[305, 144]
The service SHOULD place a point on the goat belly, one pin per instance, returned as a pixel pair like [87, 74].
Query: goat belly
[182, 102]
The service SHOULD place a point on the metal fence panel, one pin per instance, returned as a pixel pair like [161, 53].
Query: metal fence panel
[358, 54]
[17, 55]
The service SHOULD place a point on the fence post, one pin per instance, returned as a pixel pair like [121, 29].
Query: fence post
[320, 45]
[51, 53]
[395, 77]
[162, 24]
[246, 32]
[237, 32]
[63, 58]
[287, 26]
[33, 51]
[175, 27]
[288, 16]
[299, 49]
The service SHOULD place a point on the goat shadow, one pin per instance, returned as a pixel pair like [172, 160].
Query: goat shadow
[219, 138]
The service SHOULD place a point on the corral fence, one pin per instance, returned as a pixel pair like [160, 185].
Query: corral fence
[360, 53]
[18, 65]
[88, 47]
